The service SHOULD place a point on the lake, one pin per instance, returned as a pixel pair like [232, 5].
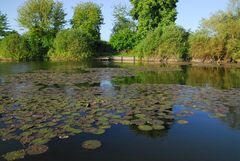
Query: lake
[127, 112]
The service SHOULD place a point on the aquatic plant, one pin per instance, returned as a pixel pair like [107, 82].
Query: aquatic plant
[182, 122]
[35, 116]
[11, 156]
[145, 127]
[36, 149]
[91, 144]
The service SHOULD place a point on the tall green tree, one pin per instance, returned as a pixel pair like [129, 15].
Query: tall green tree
[150, 13]
[88, 18]
[122, 18]
[43, 19]
[41, 15]
[3, 24]
[123, 35]
[58, 17]
[219, 36]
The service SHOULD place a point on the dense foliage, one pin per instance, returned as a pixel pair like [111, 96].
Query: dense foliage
[165, 42]
[124, 29]
[147, 30]
[88, 18]
[71, 45]
[13, 46]
[150, 13]
[123, 40]
[219, 36]
[43, 19]
[3, 25]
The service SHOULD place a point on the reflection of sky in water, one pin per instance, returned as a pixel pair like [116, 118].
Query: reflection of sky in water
[1, 81]
[107, 87]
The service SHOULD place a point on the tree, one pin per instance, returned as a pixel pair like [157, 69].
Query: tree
[3, 24]
[165, 42]
[124, 39]
[124, 29]
[88, 18]
[43, 19]
[71, 44]
[14, 46]
[122, 19]
[58, 17]
[41, 16]
[150, 13]
[219, 36]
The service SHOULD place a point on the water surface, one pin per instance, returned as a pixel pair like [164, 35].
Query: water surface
[43, 102]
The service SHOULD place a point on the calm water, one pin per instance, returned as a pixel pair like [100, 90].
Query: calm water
[208, 98]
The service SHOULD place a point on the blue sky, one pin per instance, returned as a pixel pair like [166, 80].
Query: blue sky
[190, 12]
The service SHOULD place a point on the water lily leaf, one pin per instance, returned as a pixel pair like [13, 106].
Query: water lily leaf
[91, 144]
[145, 128]
[182, 122]
[11, 156]
[140, 115]
[40, 141]
[100, 131]
[158, 127]
[36, 149]
[125, 122]
[1, 109]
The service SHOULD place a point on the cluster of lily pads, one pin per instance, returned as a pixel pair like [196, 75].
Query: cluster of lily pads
[40, 106]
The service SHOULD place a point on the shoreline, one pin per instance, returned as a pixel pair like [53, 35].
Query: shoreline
[134, 59]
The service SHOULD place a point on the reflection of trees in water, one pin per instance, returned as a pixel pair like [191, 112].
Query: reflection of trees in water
[223, 104]
[233, 117]
[218, 77]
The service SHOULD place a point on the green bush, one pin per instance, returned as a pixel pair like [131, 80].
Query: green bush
[173, 43]
[71, 45]
[124, 39]
[218, 38]
[37, 49]
[165, 42]
[147, 47]
[15, 47]
[199, 47]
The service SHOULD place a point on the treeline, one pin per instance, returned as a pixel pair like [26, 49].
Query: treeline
[46, 37]
[154, 33]
[218, 38]
[146, 30]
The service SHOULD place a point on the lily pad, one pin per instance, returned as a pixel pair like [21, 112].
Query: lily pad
[91, 144]
[40, 141]
[99, 131]
[182, 122]
[11, 156]
[158, 127]
[36, 149]
[140, 115]
[145, 128]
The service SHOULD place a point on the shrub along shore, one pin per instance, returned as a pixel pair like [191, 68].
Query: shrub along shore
[147, 31]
